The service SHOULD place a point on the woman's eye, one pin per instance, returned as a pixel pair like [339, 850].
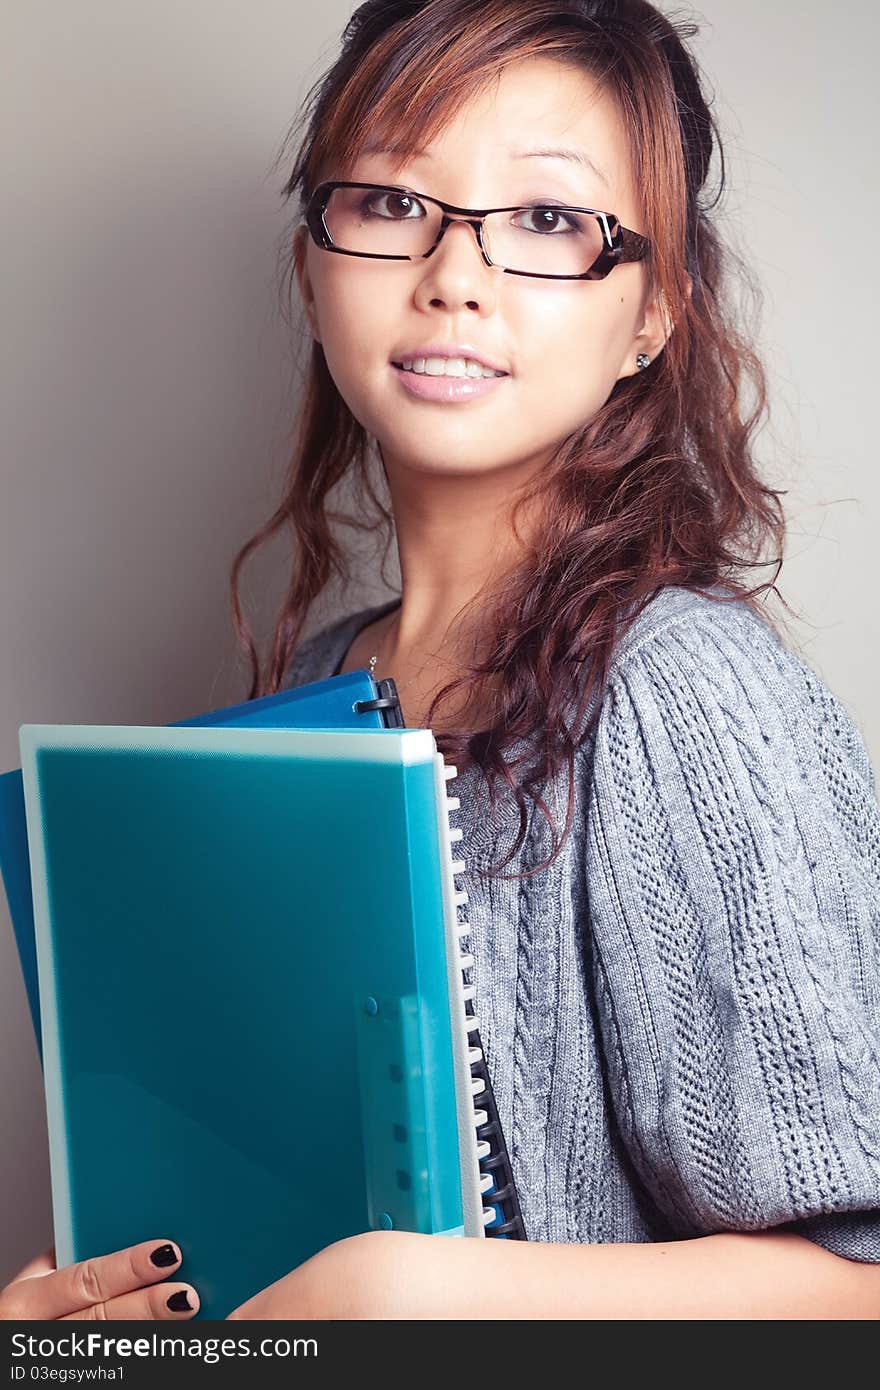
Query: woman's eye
[549, 220]
[401, 205]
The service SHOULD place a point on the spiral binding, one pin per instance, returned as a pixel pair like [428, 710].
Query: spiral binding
[501, 1211]
[501, 1216]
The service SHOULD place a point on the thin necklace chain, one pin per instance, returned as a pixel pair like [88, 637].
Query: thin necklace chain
[375, 657]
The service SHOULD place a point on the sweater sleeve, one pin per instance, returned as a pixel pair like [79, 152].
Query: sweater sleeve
[733, 884]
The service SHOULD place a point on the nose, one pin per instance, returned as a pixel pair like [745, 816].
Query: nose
[455, 275]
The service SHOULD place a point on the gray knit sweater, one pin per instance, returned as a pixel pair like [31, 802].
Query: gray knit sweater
[681, 1015]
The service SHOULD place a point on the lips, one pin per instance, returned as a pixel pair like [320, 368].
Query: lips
[447, 389]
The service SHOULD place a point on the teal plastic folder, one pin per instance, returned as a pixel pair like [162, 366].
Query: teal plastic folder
[254, 1021]
[353, 699]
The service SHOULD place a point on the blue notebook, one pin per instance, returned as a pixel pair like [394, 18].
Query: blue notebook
[257, 1037]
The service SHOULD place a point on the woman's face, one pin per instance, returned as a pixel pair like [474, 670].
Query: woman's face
[563, 343]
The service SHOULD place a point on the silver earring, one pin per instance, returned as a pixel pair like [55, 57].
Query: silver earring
[642, 361]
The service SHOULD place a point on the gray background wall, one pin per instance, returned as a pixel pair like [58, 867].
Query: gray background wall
[148, 392]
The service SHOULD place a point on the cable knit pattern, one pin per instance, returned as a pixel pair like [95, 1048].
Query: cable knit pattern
[681, 1016]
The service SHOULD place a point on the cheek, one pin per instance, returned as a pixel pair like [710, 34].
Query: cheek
[359, 330]
[585, 316]
[571, 349]
[360, 320]
[344, 312]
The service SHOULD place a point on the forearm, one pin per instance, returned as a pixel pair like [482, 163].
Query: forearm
[766, 1275]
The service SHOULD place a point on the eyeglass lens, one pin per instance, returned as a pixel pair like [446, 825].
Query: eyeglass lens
[539, 240]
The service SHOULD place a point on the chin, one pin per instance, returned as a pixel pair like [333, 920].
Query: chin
[472, 462]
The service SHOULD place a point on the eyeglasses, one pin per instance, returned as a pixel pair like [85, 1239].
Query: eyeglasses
[548, 240]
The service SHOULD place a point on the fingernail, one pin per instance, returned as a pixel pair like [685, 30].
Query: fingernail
[178, 1302]
[164, 1255]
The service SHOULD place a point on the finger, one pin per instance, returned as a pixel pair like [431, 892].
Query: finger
[140, 1306]
[87, 1283]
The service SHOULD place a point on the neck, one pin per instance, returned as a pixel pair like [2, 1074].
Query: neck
[455, 541]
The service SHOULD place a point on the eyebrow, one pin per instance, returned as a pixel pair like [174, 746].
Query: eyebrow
[573, 156]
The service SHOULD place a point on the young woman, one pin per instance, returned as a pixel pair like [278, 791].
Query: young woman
[517, 301]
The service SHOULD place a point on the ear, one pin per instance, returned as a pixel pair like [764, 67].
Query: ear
[300, 243]
[656, 329]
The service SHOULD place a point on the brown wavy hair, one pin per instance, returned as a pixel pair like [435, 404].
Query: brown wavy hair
[658, 488]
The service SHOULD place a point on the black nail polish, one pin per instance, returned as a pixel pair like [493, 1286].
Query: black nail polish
[164, 1255]
[178, 1302]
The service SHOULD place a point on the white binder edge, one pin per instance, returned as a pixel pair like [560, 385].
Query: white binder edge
[59, 1170]
[471, 1196]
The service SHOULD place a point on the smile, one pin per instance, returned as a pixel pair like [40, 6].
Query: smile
[447, 366]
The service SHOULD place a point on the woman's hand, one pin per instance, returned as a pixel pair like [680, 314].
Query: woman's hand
[124, 1284]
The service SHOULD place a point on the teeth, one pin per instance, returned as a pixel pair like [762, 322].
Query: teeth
[447, 366]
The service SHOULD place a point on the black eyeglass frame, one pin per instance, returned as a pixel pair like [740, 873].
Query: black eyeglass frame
[621, 244]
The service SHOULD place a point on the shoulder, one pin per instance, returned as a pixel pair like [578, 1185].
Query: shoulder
[675, 614]
[693, 672]
[716, 737]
